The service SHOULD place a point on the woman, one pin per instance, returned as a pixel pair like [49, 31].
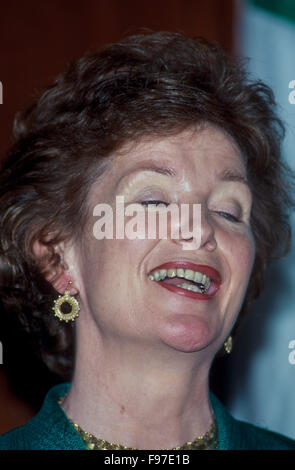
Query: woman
[156, 118]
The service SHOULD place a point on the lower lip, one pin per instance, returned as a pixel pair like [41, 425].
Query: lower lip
[186, 293]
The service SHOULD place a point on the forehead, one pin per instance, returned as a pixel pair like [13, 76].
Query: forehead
[185, 154]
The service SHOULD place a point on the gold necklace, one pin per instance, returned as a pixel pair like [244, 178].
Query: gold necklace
[209, 440]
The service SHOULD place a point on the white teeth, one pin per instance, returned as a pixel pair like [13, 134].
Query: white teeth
[206, 282]
[156, 275]
[190, 287]
[198, 277]
[188, 274]
[163, 273]
[171, 273]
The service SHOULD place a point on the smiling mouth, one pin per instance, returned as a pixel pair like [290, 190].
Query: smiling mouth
[200, 282]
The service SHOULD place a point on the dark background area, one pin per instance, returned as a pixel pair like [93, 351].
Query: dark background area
[37, 40]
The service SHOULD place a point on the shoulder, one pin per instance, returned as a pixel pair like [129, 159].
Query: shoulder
[258, 438]
[237, 435]
[48, 430]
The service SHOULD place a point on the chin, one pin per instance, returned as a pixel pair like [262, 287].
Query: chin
[187, 333]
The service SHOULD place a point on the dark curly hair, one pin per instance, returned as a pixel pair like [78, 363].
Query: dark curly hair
[148, 84]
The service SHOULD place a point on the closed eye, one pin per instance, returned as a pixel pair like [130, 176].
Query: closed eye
[228, 216]
[154, 202]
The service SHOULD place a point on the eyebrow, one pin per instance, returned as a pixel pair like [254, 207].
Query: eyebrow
[227, 175]
[162, 170]
[153, 167]
[231, 175]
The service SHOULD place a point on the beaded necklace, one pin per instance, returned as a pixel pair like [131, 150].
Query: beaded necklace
[209, 440]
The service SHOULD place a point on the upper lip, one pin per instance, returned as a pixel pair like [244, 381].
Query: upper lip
[203, 268]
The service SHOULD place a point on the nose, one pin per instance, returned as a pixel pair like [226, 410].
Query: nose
[195, 229]
[208, 240]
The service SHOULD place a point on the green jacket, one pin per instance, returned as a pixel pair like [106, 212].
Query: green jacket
[50, 429]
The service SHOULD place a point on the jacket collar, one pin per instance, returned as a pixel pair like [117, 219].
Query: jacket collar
[228, 428]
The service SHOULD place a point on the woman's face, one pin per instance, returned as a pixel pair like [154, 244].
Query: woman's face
[116, 278]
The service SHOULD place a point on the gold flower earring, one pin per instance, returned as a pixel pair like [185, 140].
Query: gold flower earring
[228, 345]
[66, 307]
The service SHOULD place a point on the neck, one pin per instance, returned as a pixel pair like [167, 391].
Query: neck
[138, 395]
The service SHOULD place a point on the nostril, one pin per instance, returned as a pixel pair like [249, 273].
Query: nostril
[187, 239]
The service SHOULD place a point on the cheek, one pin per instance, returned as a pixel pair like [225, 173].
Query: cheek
[244, 256]
[240, 259]
[103, 277]
[238, 248]
[110, 266]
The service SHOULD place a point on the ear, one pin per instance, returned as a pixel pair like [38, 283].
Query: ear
[54, 267]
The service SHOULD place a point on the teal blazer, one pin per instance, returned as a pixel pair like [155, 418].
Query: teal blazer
[50, 429]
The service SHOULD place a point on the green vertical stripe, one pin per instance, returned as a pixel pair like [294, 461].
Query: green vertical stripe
[284, 8]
